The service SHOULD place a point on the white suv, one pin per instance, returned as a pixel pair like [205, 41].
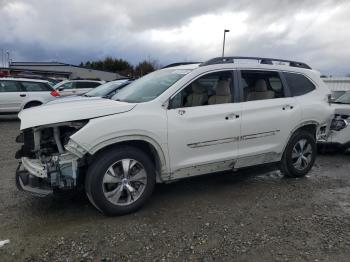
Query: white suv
[183, 121]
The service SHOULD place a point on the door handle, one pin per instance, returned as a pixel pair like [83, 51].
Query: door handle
[22, 95]
[181, 112]
[290, 107]
[231, 116]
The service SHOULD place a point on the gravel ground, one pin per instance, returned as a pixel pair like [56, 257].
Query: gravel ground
[223, 217]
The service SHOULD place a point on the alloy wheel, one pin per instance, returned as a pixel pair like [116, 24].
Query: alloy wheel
[124, 182]
[302, 154]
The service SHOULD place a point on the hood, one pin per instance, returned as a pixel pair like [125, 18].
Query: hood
[71, 98]
[71, 111]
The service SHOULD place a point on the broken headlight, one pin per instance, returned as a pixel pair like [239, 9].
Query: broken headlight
[339, 124]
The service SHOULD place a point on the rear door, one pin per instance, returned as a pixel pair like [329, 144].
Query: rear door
[269, 114]
[10, 97]
[35, 91]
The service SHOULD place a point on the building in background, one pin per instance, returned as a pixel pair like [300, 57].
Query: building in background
[338, 85]
[60, 70]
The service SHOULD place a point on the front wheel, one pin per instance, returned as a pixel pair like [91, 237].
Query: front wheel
[120, 180]
[299, 155]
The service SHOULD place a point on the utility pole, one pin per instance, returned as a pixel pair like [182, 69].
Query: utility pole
[8, 58]
[2, 57]
[223, 44]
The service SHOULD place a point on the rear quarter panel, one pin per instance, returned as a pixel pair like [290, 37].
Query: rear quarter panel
[42, 97]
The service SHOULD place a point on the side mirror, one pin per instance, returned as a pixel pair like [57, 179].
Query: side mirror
[330, 98]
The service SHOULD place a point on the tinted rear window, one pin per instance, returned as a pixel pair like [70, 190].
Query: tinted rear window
[298, 84]
[87, 84]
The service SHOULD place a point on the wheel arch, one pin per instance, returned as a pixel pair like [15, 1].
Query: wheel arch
[146, 144]
[310, 126]
[31, 102]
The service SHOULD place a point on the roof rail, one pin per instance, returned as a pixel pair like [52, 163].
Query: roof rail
[261, 60]
[180, 63]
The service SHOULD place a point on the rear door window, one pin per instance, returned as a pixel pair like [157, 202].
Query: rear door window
[35, 87]
[9, 86]
[298, 84]
[87, 84]
[261, 85]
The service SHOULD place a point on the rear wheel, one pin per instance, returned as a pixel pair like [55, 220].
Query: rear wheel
[120, 181]
[32, 104]
[299, 155]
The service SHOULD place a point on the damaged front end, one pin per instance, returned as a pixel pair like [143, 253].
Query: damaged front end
[49, 160]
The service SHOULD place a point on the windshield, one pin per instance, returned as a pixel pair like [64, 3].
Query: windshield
[344, 99]
[105, 89]
[150, 86]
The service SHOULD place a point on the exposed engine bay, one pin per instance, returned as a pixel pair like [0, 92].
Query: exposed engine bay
[49, 160]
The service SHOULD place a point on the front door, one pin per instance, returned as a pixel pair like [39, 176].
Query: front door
[204, 126]
[67, 89]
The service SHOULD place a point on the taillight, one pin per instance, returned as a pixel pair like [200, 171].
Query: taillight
[55, 93]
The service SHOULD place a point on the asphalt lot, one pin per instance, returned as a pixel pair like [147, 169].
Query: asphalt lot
[222, 217]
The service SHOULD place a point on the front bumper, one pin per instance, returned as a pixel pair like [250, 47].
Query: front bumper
[42, 179]
[27, 182]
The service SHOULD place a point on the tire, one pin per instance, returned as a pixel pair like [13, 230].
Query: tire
[32, 104]
[298, 161]
[114, 191]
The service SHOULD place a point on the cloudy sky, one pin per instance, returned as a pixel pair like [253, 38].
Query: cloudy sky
[314, 31]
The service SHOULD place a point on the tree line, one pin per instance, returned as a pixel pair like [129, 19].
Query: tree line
[123, 67]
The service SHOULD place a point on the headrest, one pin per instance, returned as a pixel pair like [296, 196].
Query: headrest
[223, 88]
[260, 86]
[276, 84]
[197, 88]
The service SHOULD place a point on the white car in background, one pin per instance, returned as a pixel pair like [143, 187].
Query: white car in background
[175, 123]
[339, 136]
[106, 90]
[76, 87]
[21, 93]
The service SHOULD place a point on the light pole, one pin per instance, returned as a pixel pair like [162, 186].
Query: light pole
[223, 44]
[8, 58]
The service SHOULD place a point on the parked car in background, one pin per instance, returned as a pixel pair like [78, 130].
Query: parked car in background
[20, 93]
[76, 87]
[109, 89]
[106, 90]
[339, 136]
[176, 123]
[337, 94]
[52, 81]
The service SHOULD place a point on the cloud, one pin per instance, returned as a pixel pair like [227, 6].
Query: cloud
[76, 30]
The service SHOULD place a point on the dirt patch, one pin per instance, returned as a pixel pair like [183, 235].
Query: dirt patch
[223, 217]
